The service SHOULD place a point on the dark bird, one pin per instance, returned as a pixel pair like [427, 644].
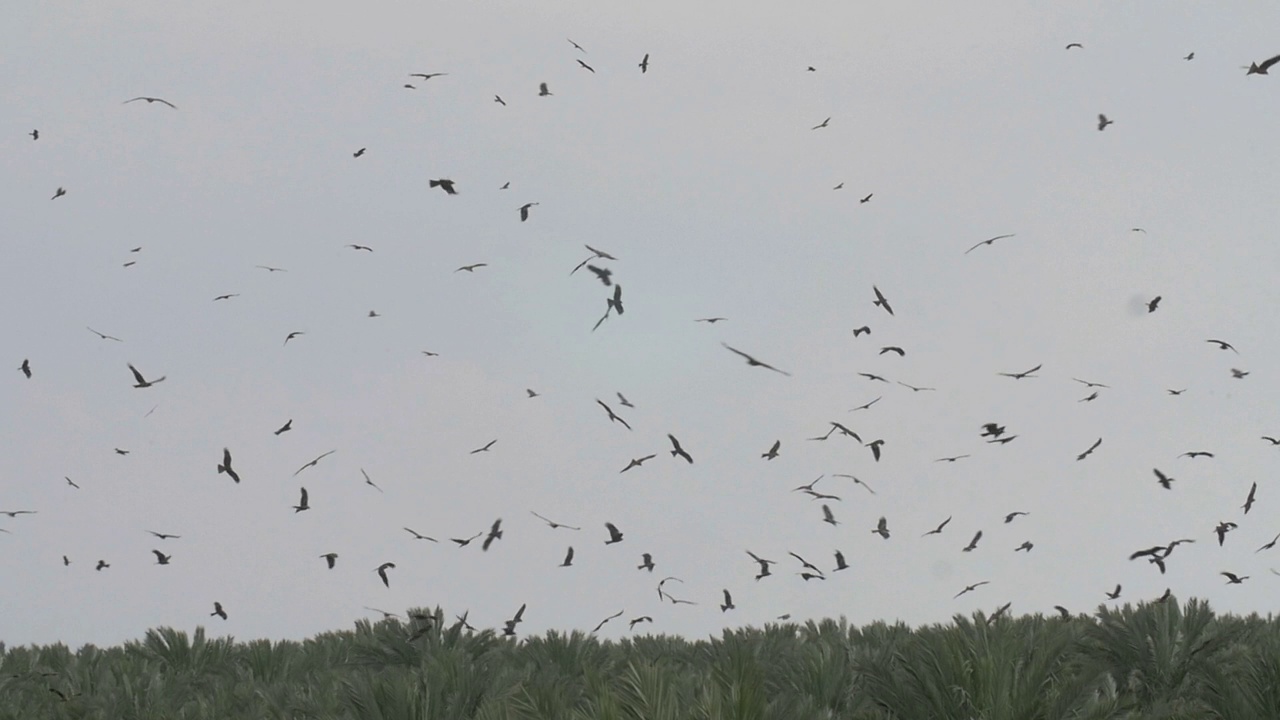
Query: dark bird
[604, 275]
[227, 296]
[1089, 452]
[1176, 392]
[636, 462]
[419, 536]
[1086, 383]
[472, 267]
[861, 330]
[821, 124]
[292, 335]
[1196, 453]
[1262, 68]
[217, 610]
[552, 523]
[359, 152]
[1222, 529]
[710, 320]
[1074, 45]
[101, 564]
[1103, 122]
[864, 201]
[880, 298]
[752, 362]
[330, 559]
[1248, 502]
[366, 248]
[594, 254]
[938, 530]
[615, 536]
[677, 450]
[143, 382]
[602, 622]
[69, 482]
[893, 349]
[485, 448]
[646, 562]
[643, 618]
[101, 336]
[828, 517]
[952, 459]
[872, 376]
[1009, 518]
[463, 542]
[121, 452]
[875, 448]
[1233, 579]
[866, 406]
[1269, 545]
[587, 67]
[644, 64]
[509, 627]
[576, 45]
[612, 416]
[498, 99]
[882, 528]
[444, 184]
[1114, 593]
[1238, 374]
[974, 542]
[773, 451]
[992, 429]
[1273, 441]
[1003, 440]
[161, 558]
[1024, 546]
[225, 466]
[286, 427]
[524, 211]
[58, 193]
[1090, 397]
[763, 563]
[805, 563]
[1190, 56]
[623, 401]
[971, 588]
[1223, 345]
[613, 303]
[1155, 302]
[165, 536]
[988, 241]
[495, 533]
[838, 186]
[568, 558]
[1065, 613]
[382, 572]
[268, 268]
[35, 134]
[1021, 375]
[151, 100]
[25, 367]
[840, 563]
[728, 602]
[65, 560]
[1168, 592]
[313, 462]
[302, 501]
[542, 90]
[427, 76]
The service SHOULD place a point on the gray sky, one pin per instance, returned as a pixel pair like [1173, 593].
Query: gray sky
[704, 179]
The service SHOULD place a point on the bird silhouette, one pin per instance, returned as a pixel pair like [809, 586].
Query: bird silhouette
[676, 450]
[1021, 375]
[1223, 345]
[973, 544]
[25, 368]
[1089, 452]
[880, 300]
[1233, 579]
[863, 201]
[938, 530]
[552, 523]
[427, 76]
[1155, 302]
[568, 558]
[359, 152]
[821, 124]
[882, 528]
[1248, 502]
[542, 90]
[472, 267]
[225, 466]
[752, 362]
[989, 241]
[646, 562]
[1010, 517]
[840, 562]
[636, 462]
[893, 349]
[1114, 593]
[971, 588]
[313, 462]
[288, 425]
[1103, 122]
[602, 622]
[524, 209]
[612, 416]
[483, 448]
[302, 501]
[165, 536]
[102, 336]
[217, 610]
[615, 536]
[151, 100]
[644, 64]
[773, 451]
[728, 602]
[828, 517]
[382, 572]
[330, 559]
[1074, 45]
[444, 184]
[495, 533]
[586, 67]
[58, 193]
[161, 558]
[419, 536]
[141, 381]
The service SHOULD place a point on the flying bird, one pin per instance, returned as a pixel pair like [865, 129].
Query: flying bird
[35, 134]
[880, 298]
[644, 64]
[1238, 374]
[828, 517]
[752, 362]
[143, 382]
[882, 528]
[864, 201]
[821, 124]
[165, 536]
[1196, 453]
[485, 448]
[1248, 502]
[1155, 302]
[292, 335]
[227, 296]
[419, 536]
[1074, 45]
[867, 406]
[302, 502]
[576, 45]
[1222, 529]
[586, 66]
[1233, 579]
[225, 466]
[463, 542]
[952, 459]
[286, 427]
[330, 559]
[861, 330]
[25, 367]
[542, 90]
[988, 242]
[1269, 545]
[58, 193]
[1114, 593]
[773, 451]
[495, 533]
[568, 558]
[1261, 68]
[636, 462]
[602, 622]
[971, 588]
[102, 336]
[553, 524]
[161, 558]
[893, 349]
[728, 602]
[615, 536]
[875, 448]
[710, 320]
[623, 401]
[646, 562]
[444, 184]
[1025, 546]
[602, 274]
[498, 99]
[359, 152]
[840, 562]
[938, 530]
[1223, 345]
[427, 76]
[1086, 383]
[313, 462]
[1190, 56]
[151, 100]
[217, 610]
[366, 248]
[524, 209]
[974, 542]
[1089, 452]
[676, 450]
[612, 416]
[1010, 517]
[1021, 375]
[382, 572]
[1103, 122]
[472, 267]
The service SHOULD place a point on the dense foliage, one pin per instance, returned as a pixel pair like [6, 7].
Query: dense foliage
[1157, 660]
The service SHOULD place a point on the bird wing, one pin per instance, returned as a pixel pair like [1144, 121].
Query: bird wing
[137, 375]
[1264, 65]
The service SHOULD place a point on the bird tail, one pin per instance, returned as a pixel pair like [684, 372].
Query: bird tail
[222, 469]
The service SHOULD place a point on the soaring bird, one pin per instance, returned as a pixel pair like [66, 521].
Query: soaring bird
[821, 124]
[602, 622]
[542, 90]
[1223, 345]
[773, 451]
[444, 184]
[1103, 122]
[552, 523]
[881, 300]
[938, 530]
[1086, 383]
[828, 517]
[644, 64]
[161, 558]
[1155, 302]
[225, 466]
[568, 558]
[646, 562]
[1074, 45]
[165, 536]
[971, 588]
[427, 76]
[586, 66]
[366, 248]
[313, 462]
[867, 406]
[58, 193]
[1089, 452]
[509, 627]
[25, 367]
[576, 46]
[217, 610]
[1114, 593]
[710, 320]
[754, 362]
[1262, 67]
[419, 536]
[615, 535]
[382, 572]
[330, 558]
[302, 502]
[359, 152]
[1248, 502]
[151, 100]
[594, 254]
[952, 459]
[35, 134]
[1196, 453]
[636, 462]
[1024, 374]
[973, 544]
[484, 448]
[1233, 579]
[292, 335]
[863, 201]
[604, 275]
[1269, 545]
[763, 563]
[1025, 546]
[463, 542]
[472, 267]
[286, 427]
[624, 401]
[102, 336]
[861, 330]
[612, 416]
[524, 210]
[498, 99]
[143, 382]
[882, 528]
[495, 533]
[840, 562]
[988, 242]
[728, 602]
[1222, 529]
[612, 304]
[893, 349]
[676, 450]
[1273, 441]
[875, 448]
[227, 296]
[101, 564]
[643, 618]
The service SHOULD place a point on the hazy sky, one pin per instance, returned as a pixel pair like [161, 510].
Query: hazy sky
[703, 178]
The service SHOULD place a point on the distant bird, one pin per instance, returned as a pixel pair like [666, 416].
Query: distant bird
[1074, 45]
[101, 564]
[602, 274]
[419, 536]
[121, 452]
[1273, 441]
[643, 618]
[1065, 613]
[773, 451]
[623, 401]
[1248, 502]
[576, 45]
[754, 362]
[644, 64]
[1176, 392]
[161, 558]
[828, 517]
[840, 562]
[1010, 517]
[495, 533]
[1003, 440]
[1196, 453]
[1090, 397]
[498, 99]
[1269, 545]
[1114, 593]
[636, 462]
[292, 335]
[988, 242]
[228, 296]
[952, 459]
[1233, 579]
[217, 610]
[728, 602]
[612, 416]
[646, 562]
[302, 502]
[1190, 56]
[1103, 122]
[938, 530]
[444, 184]
[586, 67]
[893, 349]
[992, 429]
[509, 627]
[763, 563]
[285, 427]
[867, 406]
[225, 466]
[1086, 383]
[35, 134]
[58, 193]
[568, 558]
[1024, 374]
[971, 588]
[1025, 546]
[428, 353]
[472, 267]
[710, 320]
[484, 448]
[613, 303]
[1089, 452]
[463, 542]
[821, 124]
[602, 622]
[864, 201]
[861, 330]
[69, 482]
[1222, 529]
[1262, 68]
[270, 269]
[382, 572]
[366, 248]
[838, 186]
[875, 448]
[143, 382]
[25, 367]
[882, 528]
[872, 376]
[676, 450]
[542, 90]
[881, 300]
[594, 254]
[165, 536]
[313, 462]
[1223, 345]
[973, 544]
[427, 76]
[330, 559]
[359, 152]
[65, 560]
[552, 523]
[1238, 374]
[102, 336]
[151, 100]
[524, 210]
[1155, 302]
[615, 536]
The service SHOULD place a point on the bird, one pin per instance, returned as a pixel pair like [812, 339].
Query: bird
[66, 561]
[1176, 392]
[1233, 579]
[676, 450]
[542, 90]
[1238, 374]
[1151, 306]
[366, 248]
[602, 622]
[1089, 452]
[875, 448]
[101, 564]
[302, 502]
[1196, 453]
[498, 99]
[1009, 518]
[615, 536]
[643, 618]
[880, 298]
[971, 588]
[821, 124]
[427, 76]
[1165, 481]
[227, 296]
[988, 242]
[1248, 502]
[805, 563]
[419, 536]
[463, 542]
[728, 602]
[938, 530]
[151, 100]
[973, 544]
[586, 66]
[1103, 122]
[636, 462]
[58, 193]
[165, 536]
[444, 184]
[646, 562]
[1222, 529]
[484, 448]
[612, 416]
[1190, 56]
[882, 528]
[1273, 441]
[161, 558]
[773, 451]
[867, 406]
[495, 533]
[1223, 345]
[710, 320]
[313, 462]
[861, 330]
[524, 210]
[270, 269]
[286, 427]
[872, 376]
[752, 362]
[102, 336]
[952, 459]
[763, 563]
[1269, 545]
[292, 335]
[121, 452]
[1114, 593]
[828, 517]
[69, 482]
[1086, 383]
[330, 559]
[143, 382]
[1261, 68]
[1074, 45]
[623, 401]
[1065, 613]
[35, 134]
[25, 367]
[225, 466]
[1090, 397]
[602, 274]
[1021, 375]
[568, 558]
[838, 186]
[840, 562]
[472, 267]
[863, 201]
[576, 45]
[509, 627]
[1025, 546]
[552, 523]
[613, 303]
[594, 254]
[893, 349]
[217, 610]
[359, 152]
[382, 572]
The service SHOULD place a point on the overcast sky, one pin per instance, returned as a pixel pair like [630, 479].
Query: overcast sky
[703, 178]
